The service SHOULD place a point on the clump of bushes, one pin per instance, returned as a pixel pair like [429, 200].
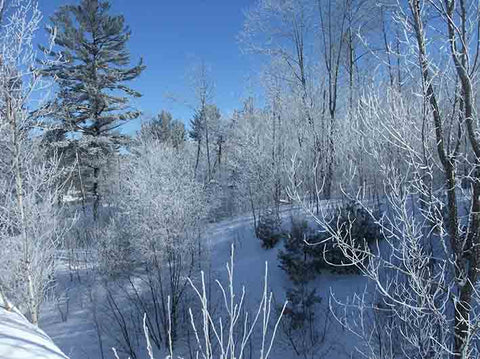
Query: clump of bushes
[309, 250]
[354, 224]
[114, 250]
[268, 229]
[297, 258]
[362, 225]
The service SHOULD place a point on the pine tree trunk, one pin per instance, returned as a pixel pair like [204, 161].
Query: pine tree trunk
[82, 188]
[96, 193]
[198, 157]
[208, 150]
[220, 153]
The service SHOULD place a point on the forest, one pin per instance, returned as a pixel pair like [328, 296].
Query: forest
[334, 214]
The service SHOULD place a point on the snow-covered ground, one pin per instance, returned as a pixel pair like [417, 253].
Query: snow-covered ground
[20, 339]
[70, 320]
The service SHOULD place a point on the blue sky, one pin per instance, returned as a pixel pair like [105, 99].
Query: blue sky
[171, 36]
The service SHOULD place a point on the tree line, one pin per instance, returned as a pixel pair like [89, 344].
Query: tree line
[372, 101]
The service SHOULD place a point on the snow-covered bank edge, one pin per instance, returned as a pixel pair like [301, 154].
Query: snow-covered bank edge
[19, 339]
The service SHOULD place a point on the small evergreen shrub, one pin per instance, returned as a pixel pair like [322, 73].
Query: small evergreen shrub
[297, 258]
[308, 251]
[355, 223]
[268, 229]
[301, 309]
[363, 226]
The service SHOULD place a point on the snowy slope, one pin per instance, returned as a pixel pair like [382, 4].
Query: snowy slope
[77, 336]
[20, 339]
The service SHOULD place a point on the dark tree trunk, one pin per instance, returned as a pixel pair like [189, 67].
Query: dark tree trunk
[96, 194]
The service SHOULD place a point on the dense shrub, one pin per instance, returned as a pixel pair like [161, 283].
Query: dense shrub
[114, 249]
[363, 226]
[308, 250]
[357, 226]
[297, 258]
[301, 311]
[268, 229]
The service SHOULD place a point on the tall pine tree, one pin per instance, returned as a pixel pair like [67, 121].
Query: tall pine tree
[93, 100]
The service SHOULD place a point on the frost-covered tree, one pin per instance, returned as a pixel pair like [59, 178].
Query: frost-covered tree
[165, 129]
[30, 215]
[162, 209]
[253, 165]
[422, 139]
[93, 99]
[205, 115]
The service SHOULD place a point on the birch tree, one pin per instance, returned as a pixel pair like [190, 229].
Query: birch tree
[426, 270]
[30, 219]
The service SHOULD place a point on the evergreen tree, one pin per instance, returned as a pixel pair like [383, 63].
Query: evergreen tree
[164, 129]
[93, 100]
[205, 127]
[196, 132]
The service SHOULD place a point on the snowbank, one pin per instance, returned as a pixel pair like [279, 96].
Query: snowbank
[19, 339]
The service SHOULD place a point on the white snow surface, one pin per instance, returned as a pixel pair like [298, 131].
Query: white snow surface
[19, 339]
[76, 335]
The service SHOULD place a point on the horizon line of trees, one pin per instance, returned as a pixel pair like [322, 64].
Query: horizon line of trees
[373, 101]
